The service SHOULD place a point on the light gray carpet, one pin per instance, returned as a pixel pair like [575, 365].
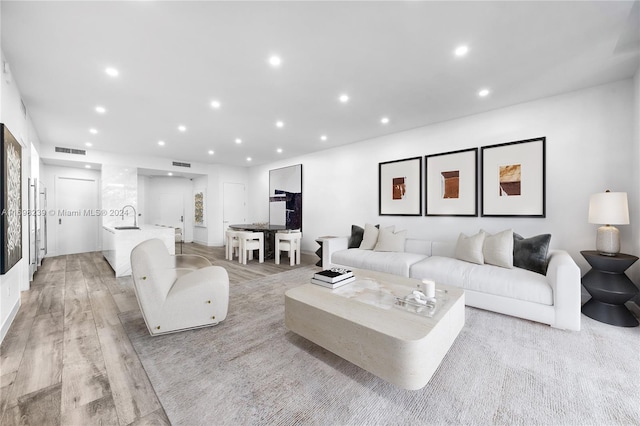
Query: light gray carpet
[501, 370]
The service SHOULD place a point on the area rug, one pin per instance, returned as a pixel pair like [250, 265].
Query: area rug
[250, 370]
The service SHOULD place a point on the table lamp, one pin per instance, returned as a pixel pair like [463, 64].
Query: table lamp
[609, 208]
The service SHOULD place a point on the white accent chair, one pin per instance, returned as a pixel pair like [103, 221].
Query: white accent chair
[177, 293]
[289, 242]
[248, 242]
[232, 244]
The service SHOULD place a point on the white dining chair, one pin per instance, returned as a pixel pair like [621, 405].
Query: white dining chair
[248, 242]
[289, 242]
[232, 245]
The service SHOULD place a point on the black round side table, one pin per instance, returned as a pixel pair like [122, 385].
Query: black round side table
[609, 288]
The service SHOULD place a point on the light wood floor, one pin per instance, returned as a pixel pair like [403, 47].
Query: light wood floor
[66, 360]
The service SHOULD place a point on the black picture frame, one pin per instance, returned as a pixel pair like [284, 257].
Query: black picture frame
[514, 179]
[400, 187]
[10, 201]
[451, 183]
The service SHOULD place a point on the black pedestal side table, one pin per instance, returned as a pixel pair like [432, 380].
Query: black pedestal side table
[609, 288]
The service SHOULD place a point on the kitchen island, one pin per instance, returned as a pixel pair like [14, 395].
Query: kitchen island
[118, 243]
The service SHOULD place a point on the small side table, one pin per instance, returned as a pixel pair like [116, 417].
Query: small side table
[609, 288]
[320, 241]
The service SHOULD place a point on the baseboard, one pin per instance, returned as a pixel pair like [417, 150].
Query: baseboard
[203, 243]
[9, 321]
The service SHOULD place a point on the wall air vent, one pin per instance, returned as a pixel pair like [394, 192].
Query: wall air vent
[179, 164]
[71, 151]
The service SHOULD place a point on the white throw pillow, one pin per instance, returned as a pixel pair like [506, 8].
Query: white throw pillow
[469, 249]
[370, 237]
[498, 249]
[390, 241]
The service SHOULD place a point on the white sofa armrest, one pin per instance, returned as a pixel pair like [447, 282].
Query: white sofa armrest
[330, 246]
[563, 276]
[199, 292]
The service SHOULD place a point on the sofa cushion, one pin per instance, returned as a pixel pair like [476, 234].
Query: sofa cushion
[513, 283]
[497, 249]
[390, 241]
[370, 236]
[531, 253]
[355, 239]
[389, 262]
[469, 249]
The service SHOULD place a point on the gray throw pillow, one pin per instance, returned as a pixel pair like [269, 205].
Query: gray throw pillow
[355, 239]
[531, 253]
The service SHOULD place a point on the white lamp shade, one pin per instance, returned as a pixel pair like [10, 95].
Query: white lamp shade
[610, 208]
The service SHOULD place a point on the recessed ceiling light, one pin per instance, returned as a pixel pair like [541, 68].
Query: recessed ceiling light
[238, 140]
[100, 109]
[93, 131]
[323, 137]
[275, 61]
[215, 104]
[248, 158]
[210, 152]
[112, 71]
[182, 128]
[161, 143]
[461, 50]
[344, 98]
[88, 144]
[169, 174]
[384, 120]
[87, 166]
[279, 124]
[279, 150]
[484, 92]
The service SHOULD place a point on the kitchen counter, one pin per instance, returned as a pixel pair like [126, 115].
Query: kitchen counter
[118, 243]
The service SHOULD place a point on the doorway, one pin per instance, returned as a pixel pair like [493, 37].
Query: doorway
[233, 206]
[77, 219]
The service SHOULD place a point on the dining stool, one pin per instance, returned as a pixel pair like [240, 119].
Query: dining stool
[248, 242]
[289, 242]
[232, 244]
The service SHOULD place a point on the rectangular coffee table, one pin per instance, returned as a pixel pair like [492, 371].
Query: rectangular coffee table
[360, 323]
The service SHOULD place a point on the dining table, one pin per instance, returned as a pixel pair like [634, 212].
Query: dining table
[269, 232]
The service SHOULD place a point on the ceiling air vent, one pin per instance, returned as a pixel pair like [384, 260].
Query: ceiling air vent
[179, 164]
[71, 151]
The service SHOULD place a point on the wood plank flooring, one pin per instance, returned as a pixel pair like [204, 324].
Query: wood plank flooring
[66, 360]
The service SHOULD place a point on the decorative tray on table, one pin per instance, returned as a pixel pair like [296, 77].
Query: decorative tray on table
[425, 308]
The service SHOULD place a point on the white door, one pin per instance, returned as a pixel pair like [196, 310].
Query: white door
[77, 220]
[234, 210]
[172, 210]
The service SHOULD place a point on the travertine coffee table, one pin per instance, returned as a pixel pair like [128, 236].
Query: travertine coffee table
[360, 323]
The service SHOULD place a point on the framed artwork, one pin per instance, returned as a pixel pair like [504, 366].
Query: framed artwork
[452, 183]
[400, 187]
[513, 179]
[10, 201]
[199, 208]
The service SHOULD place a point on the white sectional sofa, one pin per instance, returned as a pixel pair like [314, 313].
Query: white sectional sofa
[554, 299]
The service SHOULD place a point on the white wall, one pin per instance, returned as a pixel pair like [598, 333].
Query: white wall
[12, 115]
[589, 137]
[49, 176]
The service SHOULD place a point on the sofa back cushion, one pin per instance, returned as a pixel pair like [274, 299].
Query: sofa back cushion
[413, 245]
[439, 248]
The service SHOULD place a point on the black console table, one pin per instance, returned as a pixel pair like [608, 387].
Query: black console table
[609, 288]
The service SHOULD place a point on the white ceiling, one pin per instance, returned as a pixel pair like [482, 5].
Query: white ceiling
[393, 59]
